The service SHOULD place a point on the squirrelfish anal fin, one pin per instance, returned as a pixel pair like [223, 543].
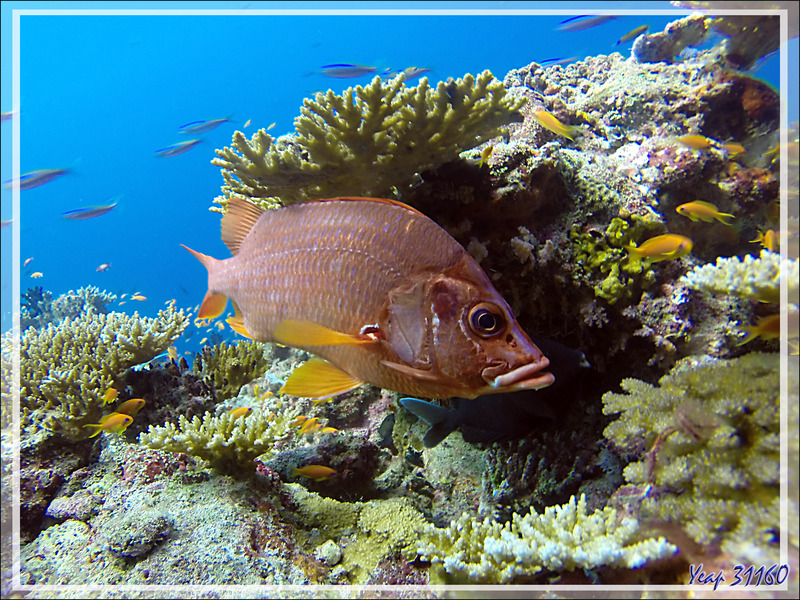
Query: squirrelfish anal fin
[318, 378]
[306, 333]
[238, 221]
[411, 371]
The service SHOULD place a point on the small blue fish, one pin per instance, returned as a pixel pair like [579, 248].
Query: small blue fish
[202, 126]
[414, 72]
[178, 148]
[558, 61]
[34, 179]
[90, 212]
[584, 22]
[345, 71]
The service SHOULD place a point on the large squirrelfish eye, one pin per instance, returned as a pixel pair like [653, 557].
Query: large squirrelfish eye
[486, 319]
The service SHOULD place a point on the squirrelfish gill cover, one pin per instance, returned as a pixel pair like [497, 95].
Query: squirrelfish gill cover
[376, 289]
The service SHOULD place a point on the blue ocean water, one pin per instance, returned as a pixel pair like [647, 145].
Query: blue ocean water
[99, 94]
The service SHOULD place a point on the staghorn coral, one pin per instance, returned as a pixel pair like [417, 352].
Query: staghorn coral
[756, 278]
[708, 440]
[367, 141]
[228, 368]
[230, 444]
[65, 369]
[563, 538]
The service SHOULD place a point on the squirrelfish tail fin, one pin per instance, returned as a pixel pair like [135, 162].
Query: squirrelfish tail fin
[213, 303]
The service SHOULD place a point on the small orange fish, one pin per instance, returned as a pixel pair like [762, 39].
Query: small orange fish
[247, 123]
[315, 472]
[131, 407]
[113, 422]
[139, 297]
[123, 296]
[121, 303]
[550, 122]
[27, 261]
[103, 267]
[768, 239]
[110, 395]
[172, 352]
[298, 420]
[696, 142]
[203, 341]
[733, 148]
[486, 155]
[767, 328]
[272, 125]
[329, 430]
[310, 426]
[37, 274]
[220, 325]
[703, 211]
[240, 412]
[663, 247]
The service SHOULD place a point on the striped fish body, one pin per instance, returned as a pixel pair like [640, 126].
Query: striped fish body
[378, 290]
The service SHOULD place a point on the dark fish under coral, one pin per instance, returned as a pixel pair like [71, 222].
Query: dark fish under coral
[376, 289]
[502, 417]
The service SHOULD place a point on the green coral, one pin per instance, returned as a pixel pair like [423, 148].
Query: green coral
[563, 538]
[366, 141]
[603, 257]
[228, 443]
[66, 369]
[755, 278]
[708, 438]
[376, 529]
[228, 368]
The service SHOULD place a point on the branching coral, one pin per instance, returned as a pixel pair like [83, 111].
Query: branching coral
[38, 308]
[228, 368]
[367, 140]
[563, 538]
[228, 442]
[756, 278]
[708, 440]
[67, 368]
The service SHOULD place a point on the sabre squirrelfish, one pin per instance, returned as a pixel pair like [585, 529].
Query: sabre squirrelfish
[376, 289]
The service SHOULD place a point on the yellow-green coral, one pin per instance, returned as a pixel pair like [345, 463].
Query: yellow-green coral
[66, 369]
[229, 367]
[228, 443]
[603, 256]
[756, 278]
[366, 140]
[377, 529]
[709, 438]
[563, 538]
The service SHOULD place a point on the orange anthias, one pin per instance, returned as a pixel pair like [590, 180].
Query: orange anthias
[376, 289]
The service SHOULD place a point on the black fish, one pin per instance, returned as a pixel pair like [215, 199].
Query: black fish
[502, 417]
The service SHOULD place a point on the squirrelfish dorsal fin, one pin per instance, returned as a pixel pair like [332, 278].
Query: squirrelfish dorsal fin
[238, 221]
[367, 199]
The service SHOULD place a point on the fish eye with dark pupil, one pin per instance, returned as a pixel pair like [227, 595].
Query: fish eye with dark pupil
[486, 322]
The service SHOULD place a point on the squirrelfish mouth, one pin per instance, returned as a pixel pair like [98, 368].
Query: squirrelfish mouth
[526, 377]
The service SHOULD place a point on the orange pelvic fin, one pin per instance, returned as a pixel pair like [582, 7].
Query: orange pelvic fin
[213, 305]
[318, 378]
[238, 221]
[306, 333]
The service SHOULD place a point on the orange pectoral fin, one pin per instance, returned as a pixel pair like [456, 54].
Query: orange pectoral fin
[306, 333]
[411, 371]
[318, 378]
[213, 305]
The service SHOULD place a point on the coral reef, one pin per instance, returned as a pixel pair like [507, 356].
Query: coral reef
[67, 368]
[228, 368]
[755, 278]
[367, 141]
[37, 307]
[664, 46]
[707, 438]
[563, 538]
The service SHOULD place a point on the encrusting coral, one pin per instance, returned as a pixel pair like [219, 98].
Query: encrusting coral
[366, 141]
[563, 538]
[228, 368]
[66, 369]
[708, 440]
